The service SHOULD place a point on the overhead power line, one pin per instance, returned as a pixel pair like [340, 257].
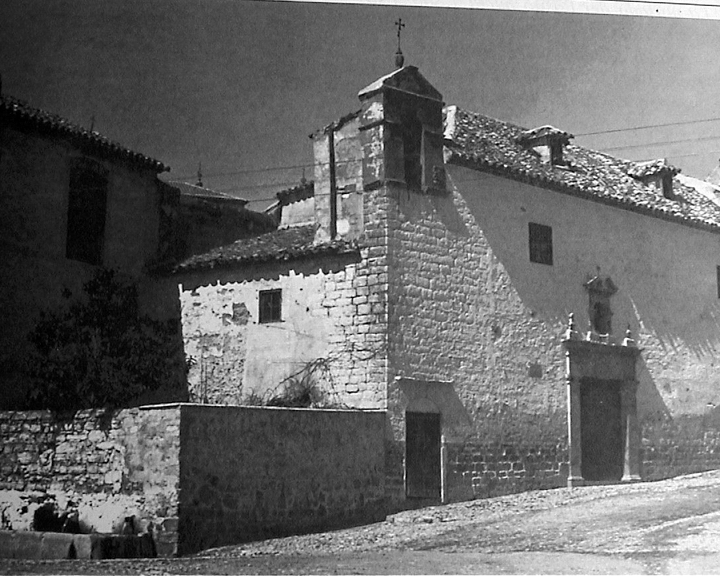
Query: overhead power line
[596, 133]
[664, 143]
[245, 171]
[649, 126]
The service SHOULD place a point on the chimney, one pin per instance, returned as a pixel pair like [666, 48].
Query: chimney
[338, 180]
[656, 174]
[547, 142]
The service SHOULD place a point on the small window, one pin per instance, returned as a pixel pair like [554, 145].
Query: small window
[87, 200]
[270, 306]
[541, 248]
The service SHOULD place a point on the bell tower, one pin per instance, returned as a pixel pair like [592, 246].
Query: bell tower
[401, 128]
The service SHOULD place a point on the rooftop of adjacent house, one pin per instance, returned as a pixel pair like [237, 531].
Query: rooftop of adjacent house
[301, 192]
[194, 191]
[20, 115]
[282, 244]
[482, 143]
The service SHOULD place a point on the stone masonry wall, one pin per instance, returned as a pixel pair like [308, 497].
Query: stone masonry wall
[249, 473]
[110, 466]
[195, 475]
[482, 471]
[684, 445]
[464, 344]
[331, 311]
[334, 308]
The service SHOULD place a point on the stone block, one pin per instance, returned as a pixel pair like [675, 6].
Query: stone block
[56, 546]
[9, 544]
[28, 545]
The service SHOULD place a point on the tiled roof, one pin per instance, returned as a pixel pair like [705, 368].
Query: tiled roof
[192, 190]
[18, 114]
[301, 192]
[283, 244]
[482, 143]
[645, 169]
[527, 136]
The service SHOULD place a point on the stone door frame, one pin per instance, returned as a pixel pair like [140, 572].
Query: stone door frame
[586, 359]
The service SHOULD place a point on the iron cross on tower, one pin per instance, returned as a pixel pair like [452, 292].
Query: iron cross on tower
[399, 58]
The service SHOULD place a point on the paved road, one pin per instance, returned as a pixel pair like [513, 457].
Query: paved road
[669, 527]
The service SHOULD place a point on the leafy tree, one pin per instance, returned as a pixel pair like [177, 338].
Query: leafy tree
[98, 351]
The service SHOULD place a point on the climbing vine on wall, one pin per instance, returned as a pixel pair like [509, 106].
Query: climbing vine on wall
[99, 351]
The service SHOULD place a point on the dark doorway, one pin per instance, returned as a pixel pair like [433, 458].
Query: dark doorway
[601, 429]
[422, 455]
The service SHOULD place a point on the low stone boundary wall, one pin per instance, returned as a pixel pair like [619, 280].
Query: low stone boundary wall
[195, 476]
[107, 466]
[249, 473]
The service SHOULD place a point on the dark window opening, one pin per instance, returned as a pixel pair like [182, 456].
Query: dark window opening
[87, 202]
[667, 186]
[412, 150]
[541, 248]
[270, 306]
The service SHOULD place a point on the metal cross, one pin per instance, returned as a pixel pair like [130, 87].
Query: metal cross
[400, 25]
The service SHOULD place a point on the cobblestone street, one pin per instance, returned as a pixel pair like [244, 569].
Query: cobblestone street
[667, 527]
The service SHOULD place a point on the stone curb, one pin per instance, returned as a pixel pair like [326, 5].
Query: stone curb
[57, 546]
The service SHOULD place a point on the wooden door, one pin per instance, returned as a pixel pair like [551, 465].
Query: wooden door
[601, 430]
[422, 455]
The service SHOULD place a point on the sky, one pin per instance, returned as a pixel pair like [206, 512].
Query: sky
[239, 85]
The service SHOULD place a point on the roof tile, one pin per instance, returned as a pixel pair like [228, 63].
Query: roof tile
[24, 117]
[283, 244]
[483, 143]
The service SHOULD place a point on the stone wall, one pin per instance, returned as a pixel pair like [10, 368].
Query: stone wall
[464, 344]
[196, 476]
[251, 473]
[482, 471]
[683, 445]
[110, 466]
[475, 327]
[332, 310]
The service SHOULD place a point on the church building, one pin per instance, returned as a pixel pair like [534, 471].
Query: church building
[529, 313]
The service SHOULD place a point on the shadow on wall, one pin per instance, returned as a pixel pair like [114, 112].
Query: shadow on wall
[416, 207]
[428, 396]
[680, 445]
[662, 282]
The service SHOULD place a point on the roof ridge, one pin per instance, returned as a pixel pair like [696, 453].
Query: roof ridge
[27, 116]
[478, 141]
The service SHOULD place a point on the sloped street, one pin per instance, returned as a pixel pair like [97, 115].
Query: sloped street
[668, 527]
